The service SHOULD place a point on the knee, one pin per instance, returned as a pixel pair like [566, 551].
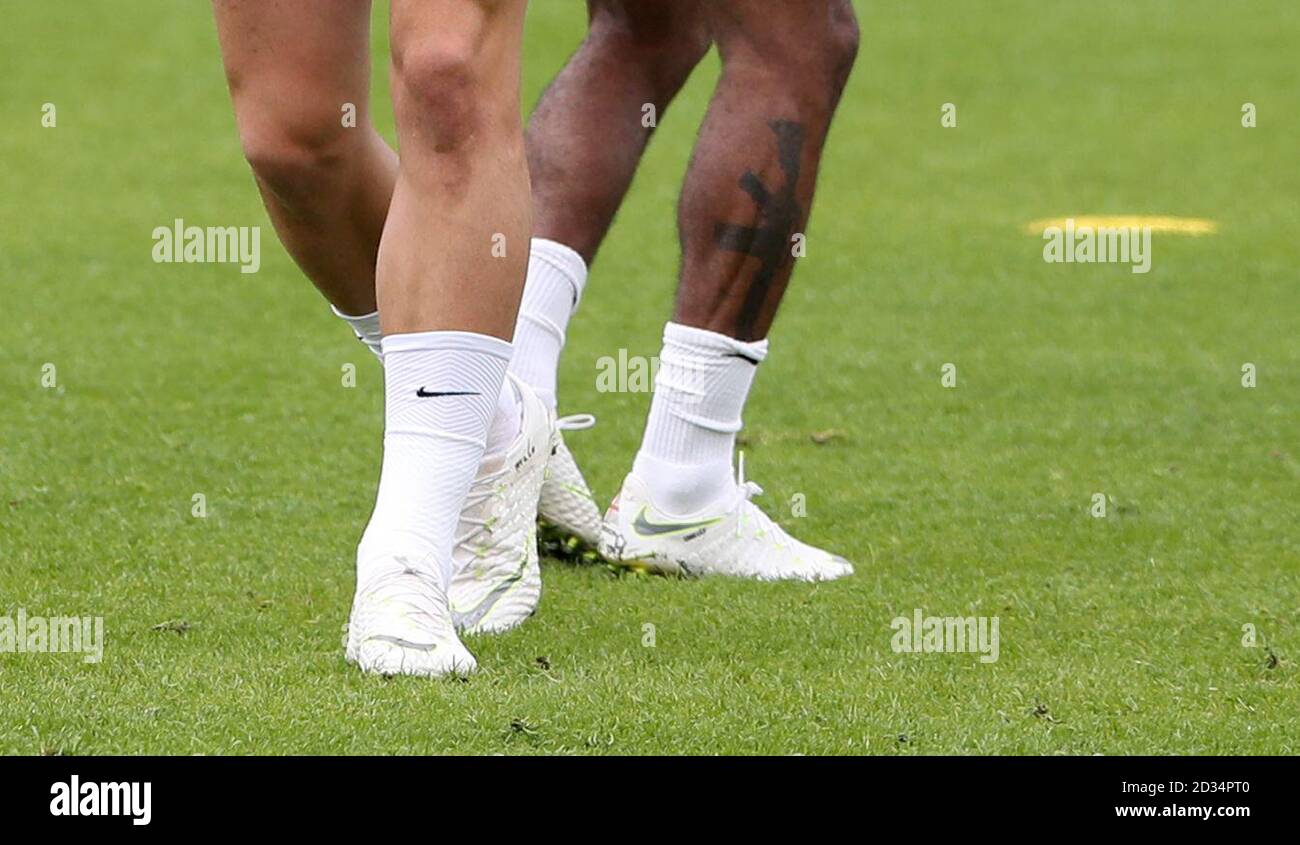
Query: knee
[663, 48]
[438, 85]
[810, 62]
[297, 157]
[842, 41]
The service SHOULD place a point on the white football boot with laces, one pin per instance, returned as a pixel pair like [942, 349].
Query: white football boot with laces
[734, 538]
[567, 504]
[401, 625]
[497, 581]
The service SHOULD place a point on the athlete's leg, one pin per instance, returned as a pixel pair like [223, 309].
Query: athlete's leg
[587, 134]
[462, 189]
[293, 66]
[747, 194]
[585, 140]
[448, 298]
[750, 184]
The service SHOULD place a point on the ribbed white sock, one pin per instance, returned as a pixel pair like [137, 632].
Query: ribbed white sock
[556, 277]
[441, 392]
[703, 382]
[506, 421]
[366, 328]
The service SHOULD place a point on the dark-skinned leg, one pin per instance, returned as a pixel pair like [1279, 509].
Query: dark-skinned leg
[747, 195]
[584, 142]
[588, 132]
[750, 185]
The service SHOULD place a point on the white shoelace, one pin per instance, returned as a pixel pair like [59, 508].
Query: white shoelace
[485, 489]
[576, 422]
[748, 490]
[492, 486]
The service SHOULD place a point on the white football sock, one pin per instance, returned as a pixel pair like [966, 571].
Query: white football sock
[703, 382]
[441, 392]
[506, 423]
[366, 328]
[507, 420]
[556, 277]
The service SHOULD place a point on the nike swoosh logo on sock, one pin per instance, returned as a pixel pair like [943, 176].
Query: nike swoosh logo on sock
[646, 528]
[742, 357]
[424, 394]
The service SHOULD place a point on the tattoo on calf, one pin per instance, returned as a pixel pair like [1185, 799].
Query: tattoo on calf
[779, 214]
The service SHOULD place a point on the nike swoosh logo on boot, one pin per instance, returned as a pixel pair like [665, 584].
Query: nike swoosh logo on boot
[646, 528]
[475, 615]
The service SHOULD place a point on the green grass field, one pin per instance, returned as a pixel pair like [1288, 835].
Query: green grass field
[1119, 635]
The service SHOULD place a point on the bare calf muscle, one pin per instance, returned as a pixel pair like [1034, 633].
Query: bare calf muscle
[750, 186]
[589, 131]
[292, 67]
[748, 192]
[463, 175]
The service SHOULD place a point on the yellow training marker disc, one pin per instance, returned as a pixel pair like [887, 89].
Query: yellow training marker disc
[1172, 225]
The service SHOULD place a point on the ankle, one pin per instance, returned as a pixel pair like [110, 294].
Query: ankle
[684, 489]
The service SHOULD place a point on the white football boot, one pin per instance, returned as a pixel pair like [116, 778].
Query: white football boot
[497, 581]
[401, 625]
[733, 538]
[567, 504]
